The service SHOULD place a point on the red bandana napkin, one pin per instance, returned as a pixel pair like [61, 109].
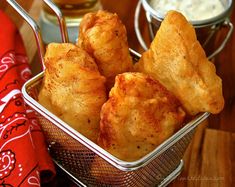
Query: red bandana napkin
[23, 153]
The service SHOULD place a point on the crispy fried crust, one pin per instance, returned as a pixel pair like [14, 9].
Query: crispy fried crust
[73, 88]
[139, 115]
[178, 61]
[103, 36]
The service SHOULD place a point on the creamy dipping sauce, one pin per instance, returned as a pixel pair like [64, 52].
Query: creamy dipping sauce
[193, 10]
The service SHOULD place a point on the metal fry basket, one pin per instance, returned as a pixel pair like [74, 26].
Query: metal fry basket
[87, 163]
[90, 165]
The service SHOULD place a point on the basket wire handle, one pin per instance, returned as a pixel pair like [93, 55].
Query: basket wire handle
[227, 23]
[34, 26]
[36, 29]
[61, 20]
[137, 27]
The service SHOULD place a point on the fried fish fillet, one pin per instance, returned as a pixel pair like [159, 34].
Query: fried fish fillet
[104, 37]
[73, 88]
[138, 116]
[177, 60]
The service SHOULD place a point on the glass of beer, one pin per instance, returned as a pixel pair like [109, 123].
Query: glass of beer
[73, 11]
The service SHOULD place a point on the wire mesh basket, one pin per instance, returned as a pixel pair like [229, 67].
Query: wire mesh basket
[87, 163]
[93, 166]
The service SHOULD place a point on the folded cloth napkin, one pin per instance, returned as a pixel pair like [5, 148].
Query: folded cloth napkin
[24, 159]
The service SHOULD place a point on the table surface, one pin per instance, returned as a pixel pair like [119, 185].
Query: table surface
[210, 158]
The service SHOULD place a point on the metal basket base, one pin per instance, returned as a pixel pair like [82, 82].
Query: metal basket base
[172, 176]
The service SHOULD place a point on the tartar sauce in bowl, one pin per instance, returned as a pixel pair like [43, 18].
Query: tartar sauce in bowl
[193, 10]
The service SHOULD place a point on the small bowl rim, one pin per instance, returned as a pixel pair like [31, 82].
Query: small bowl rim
[200, 23]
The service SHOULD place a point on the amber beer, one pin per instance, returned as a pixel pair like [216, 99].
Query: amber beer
[72, 10]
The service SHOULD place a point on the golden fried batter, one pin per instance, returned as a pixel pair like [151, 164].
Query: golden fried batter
[103, 36]
[178, 61]
[73, 88]
[138, 116]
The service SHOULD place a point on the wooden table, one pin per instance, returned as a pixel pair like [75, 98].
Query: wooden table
[210, 158]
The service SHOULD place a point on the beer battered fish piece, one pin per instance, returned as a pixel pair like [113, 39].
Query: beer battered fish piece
[73, 88]
[177, 60]
[138, 116]
[104, 37]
